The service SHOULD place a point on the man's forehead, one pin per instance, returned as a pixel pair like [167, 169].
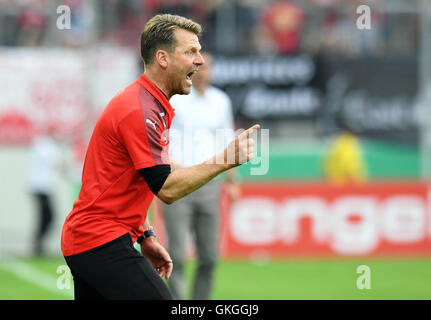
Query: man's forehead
[187, 38]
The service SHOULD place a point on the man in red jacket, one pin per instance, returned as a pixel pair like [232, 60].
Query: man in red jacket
[127, 164]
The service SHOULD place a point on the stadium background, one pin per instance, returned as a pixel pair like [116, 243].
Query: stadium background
[304, 70]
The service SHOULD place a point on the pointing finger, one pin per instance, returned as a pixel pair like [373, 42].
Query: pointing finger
[251, 130]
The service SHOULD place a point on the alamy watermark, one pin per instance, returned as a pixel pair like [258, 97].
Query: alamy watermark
[190, 145]
[363, 22]
[64, 280]
[364, 280]
[64, 17]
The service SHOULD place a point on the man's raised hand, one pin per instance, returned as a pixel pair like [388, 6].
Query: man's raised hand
[241, 150]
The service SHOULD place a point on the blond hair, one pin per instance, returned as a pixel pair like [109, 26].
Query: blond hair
[159, 34]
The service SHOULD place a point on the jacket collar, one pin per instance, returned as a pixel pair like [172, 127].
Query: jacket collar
[157, 93]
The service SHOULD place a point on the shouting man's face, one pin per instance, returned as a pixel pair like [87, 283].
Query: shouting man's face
[184, 62]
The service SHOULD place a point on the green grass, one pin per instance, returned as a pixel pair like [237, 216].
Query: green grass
[16, 285]
[317, 279]
[278, 280]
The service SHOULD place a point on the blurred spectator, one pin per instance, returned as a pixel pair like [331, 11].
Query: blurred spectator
[230, 27]
[280, 28]
[31, 21]
[43, 166]
[129, 23]
[247, 14]
[340, 35]
[209, 25]
[185, 8]
[344, 163]
[77, 35]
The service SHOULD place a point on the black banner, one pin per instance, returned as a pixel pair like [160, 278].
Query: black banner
[269, 87]
[373, 97]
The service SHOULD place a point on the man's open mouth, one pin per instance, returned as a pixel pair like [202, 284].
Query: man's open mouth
[190, 75]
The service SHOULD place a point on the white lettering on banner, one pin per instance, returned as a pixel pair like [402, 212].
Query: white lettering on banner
[261, 102]
[254, 221]
[285, 70]
[295, 209]
[358, 236]
[403, 219]
[349, 225]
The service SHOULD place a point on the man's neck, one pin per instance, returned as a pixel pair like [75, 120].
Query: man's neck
[152, 76]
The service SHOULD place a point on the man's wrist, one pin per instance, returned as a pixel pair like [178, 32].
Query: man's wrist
[148, 232]
[220, 161]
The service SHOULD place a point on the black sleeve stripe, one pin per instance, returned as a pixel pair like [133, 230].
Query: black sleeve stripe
[156, 176]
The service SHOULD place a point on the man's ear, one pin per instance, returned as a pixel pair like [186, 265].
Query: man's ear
[162, 58]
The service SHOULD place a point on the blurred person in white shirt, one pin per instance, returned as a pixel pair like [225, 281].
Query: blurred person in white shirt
[202, 127]
[43, 166]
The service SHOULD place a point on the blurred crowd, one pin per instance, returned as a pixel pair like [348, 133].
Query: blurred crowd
[245, 27]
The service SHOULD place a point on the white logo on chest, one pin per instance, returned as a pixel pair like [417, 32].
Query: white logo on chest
[152, 123]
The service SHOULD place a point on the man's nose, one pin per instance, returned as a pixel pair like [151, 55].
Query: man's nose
[200, 60]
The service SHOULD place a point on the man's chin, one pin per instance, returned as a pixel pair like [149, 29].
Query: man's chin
[185, 91]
